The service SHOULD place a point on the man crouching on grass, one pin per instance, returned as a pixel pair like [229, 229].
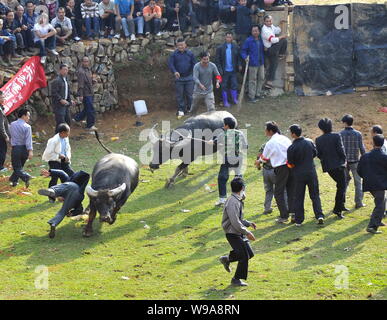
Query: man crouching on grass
[236, 232]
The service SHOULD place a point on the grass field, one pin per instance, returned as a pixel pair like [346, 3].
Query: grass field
[177, 256]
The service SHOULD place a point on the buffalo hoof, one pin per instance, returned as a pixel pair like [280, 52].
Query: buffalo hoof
[87, 234]
[169, 183]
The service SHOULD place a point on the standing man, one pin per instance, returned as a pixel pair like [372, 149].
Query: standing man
[274, 47]
[86, 94]
[276, 151]
[203, 73]
[4, 134]
[253, 47]
[70, 191]
[228, 63]
[21, 141]
[300, 159]
[233, 144]
[377, 129]
[227, 12]
[373, 169]
[353, 145]
[330, 151]
[181, 63]
[61, 100]
[235, 228]
[58, 153]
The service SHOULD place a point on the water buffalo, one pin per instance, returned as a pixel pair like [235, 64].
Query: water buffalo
[114, 179]
[187, 142]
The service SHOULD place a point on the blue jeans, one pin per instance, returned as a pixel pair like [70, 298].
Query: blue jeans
[88, 112]
[127, 26]
[72, 199]
[139, 22]
[154, 24]
[229, 81]
[49, 43]
[223, 176]
[95, 21]
[184, 90]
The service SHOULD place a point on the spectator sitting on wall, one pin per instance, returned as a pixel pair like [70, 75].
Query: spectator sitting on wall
[11, 27]
[124, 10]
[3, 11]
[30, 19]
[76, 26]
[45, 37]
[138, 17]
[63, 26]
[107, 14]
[90, 15]
[21, 22]
[7, 46]
[152, 16]
[52, 6]
[202, 11]
[180, 14]
[243, 20]
[227, 11]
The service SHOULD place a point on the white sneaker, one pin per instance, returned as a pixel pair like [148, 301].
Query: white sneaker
[53, 51]
[180, 114]
[43, 60]
[220, 202]
[117, 36]
[77, 38]
[158, 34]
[93, 128]
[4, 170]
[133, 37]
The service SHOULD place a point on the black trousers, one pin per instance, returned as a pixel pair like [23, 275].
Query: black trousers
[284, 181]
[3, 152]
[301, 181]
[62, 115]
[19, 156]
[339, 176]
[241, 252]
[272, 55]
[379, 210]
[62, 165]
[227, 16]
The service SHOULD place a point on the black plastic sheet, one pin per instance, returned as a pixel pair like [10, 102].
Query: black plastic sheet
[328, 60]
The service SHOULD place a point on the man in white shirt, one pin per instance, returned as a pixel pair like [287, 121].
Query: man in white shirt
[274, 47]
[58, 153]
[276, 151]
[62, 25]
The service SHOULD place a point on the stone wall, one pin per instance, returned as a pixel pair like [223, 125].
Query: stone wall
[105, 53]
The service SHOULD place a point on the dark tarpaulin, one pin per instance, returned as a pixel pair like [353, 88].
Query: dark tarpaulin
[323, 59]
[370, 37]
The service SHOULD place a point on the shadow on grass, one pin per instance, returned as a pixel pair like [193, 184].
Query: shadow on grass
[20, 213]
[221, 294]
[325, 251]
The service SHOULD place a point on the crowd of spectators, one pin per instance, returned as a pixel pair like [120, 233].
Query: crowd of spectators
[44, 24]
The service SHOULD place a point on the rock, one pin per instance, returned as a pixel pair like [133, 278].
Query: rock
[92, 48]
[66, 51]
[114, 41]
[124, 56]
[161, 42]
[101, 51]
[117, 48]
[104, 42]
[209, 29]
[192, 42]
[117, 58]
[275, 92]
[165, 35]
[78, 47]
[109, 51]
[215, 26]
[171, 42]
[134, 48]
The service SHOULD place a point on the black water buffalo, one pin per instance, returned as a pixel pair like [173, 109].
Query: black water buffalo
[114, 179]
[187, 142]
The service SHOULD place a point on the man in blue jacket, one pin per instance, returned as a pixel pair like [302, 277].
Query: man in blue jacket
[228, 63]
[372, 168]
[181, 63]
[253, 47]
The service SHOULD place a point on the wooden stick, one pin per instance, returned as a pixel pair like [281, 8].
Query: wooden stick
[242, 93]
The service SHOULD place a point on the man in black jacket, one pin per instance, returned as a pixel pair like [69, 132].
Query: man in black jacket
[372, 168]
[330, 151]
[228, 62]
[61, 100]
[300, 160]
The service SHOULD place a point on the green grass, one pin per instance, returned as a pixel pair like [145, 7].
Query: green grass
[177, 258]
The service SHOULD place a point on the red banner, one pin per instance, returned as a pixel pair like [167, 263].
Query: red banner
[20, 88]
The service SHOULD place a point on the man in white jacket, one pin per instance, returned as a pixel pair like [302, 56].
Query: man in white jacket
[58, 153]
[274, 47]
